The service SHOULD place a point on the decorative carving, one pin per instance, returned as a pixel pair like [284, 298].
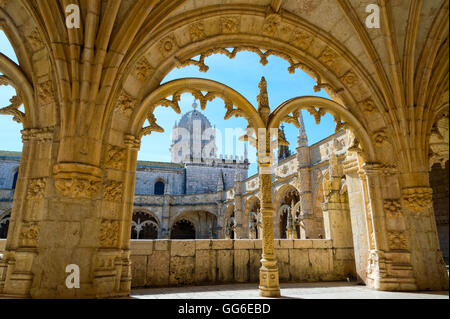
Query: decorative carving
[77, 187]
[132, 142]
[301, 38]
[36, 188]
[439, 144]
[349, 78]
[35, 40]
[75, 180]
[115, 157]
[109, 233]
[380, 137]
[125, 102]
[29, 234]
[271, 24]
[13, 109]
[392, 207]
[329, 88]
[293, 65]
[417, 199]
[143, 69]
[113, 191]
[45, 92]
[317, 113]
[230, 24]
[40, 135]
[340, 125]
[328, 56]
[197, 31]
[397, 240]
[168, 45]
[368, 105]
[152, 127]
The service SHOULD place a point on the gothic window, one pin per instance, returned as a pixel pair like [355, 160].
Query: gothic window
[16, 175]
[183, 229]
[159, 188]
[4, 225]
[144, 226]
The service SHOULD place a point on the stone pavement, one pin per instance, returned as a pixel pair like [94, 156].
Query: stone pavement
[323, 290]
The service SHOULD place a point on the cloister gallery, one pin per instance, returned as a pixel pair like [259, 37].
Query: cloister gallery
[369, 202]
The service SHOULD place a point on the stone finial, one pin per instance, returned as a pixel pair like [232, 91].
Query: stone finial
[302, 138]
[263, 100]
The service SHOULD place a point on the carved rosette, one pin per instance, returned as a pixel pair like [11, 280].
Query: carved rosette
[36, 188]
[168, 45]
[417, 199]
[397, 240]
[350, 79]
[29, 234]
[77, 181]
[109, 233]
[113, 191]
[328, 57]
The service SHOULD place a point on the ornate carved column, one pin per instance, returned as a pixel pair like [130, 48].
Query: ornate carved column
[390, 263]
[17, 275]
[269, 280]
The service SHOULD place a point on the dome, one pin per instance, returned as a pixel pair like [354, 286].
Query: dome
[187, 120]
[193, 136]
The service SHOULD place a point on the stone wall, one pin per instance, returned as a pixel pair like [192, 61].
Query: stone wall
[439, 183]
[190, 262]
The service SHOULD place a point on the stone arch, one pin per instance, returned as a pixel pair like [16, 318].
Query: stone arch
[251, 216]
[144, 225]
[228, 31]
[195, 86]
[204, 222]
[183, 229]
[283, 197]
[316, 106]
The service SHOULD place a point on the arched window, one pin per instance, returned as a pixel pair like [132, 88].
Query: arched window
[16, 175]
[4, 225]
[183, 229]
[144, 226]
[159, 188]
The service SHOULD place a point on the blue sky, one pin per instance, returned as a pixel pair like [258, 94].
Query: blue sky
[242, 73]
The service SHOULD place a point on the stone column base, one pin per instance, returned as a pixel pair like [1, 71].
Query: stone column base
[269, 285]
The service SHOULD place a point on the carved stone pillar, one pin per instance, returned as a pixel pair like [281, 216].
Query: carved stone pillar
[335, 208]
[390, 265]
[360, 218]
[19, 263]
[305, 192]
[268, 274]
